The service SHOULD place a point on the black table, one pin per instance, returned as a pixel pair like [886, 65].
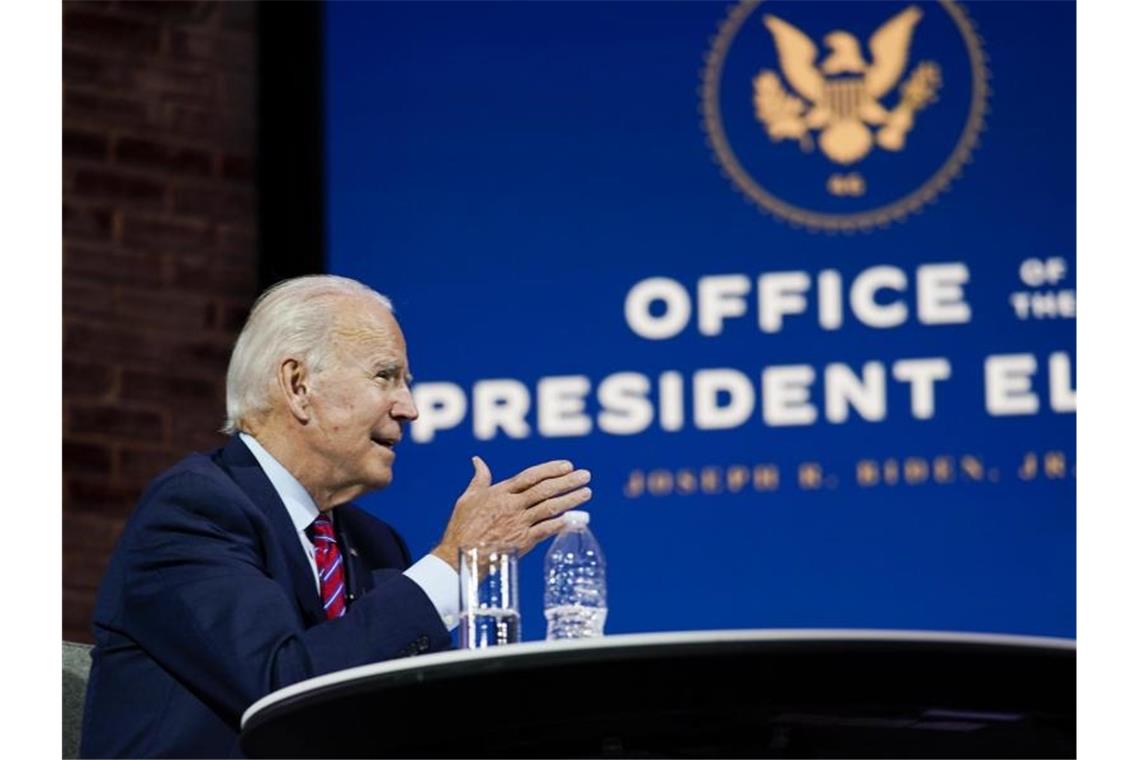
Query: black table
[774, 693]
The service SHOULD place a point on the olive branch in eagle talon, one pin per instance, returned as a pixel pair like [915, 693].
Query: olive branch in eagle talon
[841, 97]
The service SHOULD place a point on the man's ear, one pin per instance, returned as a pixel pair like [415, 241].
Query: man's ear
[293, 380]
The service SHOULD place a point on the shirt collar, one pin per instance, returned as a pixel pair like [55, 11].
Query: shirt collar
[300, 505]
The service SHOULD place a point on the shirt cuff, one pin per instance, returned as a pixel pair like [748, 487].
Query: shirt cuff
[441, 583]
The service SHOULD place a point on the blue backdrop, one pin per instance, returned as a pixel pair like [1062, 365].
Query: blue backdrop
[516, 175]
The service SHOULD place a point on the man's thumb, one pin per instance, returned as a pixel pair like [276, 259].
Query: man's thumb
[482, 477]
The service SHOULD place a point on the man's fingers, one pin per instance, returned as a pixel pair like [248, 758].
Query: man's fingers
[531, 476]
[552, 487]
[545, 530]
[482, 476]
[554, 507]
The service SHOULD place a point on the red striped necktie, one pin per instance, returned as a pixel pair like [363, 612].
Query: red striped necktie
[330, 566]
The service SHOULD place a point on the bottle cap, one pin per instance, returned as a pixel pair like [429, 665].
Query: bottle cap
[576, 517]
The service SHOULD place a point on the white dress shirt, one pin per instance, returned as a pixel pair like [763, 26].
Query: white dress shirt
[437, 578]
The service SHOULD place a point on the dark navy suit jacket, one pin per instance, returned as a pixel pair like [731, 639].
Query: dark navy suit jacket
[209, 604]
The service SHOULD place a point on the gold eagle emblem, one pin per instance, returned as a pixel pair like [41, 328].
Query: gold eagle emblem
[841, 97]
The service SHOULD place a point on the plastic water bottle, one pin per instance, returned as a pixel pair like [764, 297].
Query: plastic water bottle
[575, 582]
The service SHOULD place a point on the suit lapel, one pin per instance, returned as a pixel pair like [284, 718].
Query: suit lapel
[247, 473]
[357, 577]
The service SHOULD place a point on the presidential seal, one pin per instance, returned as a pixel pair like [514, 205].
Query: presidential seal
[843, 115]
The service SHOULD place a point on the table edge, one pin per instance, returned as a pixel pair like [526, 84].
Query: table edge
[443, 659]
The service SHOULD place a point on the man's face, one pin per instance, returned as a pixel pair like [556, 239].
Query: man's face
[360, 400]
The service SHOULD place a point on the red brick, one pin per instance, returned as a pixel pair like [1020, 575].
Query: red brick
[166, 234]
[84, 567]
[229, 131]
[105, 108]
[86, 458]
[233, 51]
[176, 84]
[172, 11]
[95, 71]
[225, 203]
[78, 607]
[86, 299]
[214, 278]
[81, 67]
[159, 108]
[100, 5]
[239, 15]
[134, 151]
[206, 440]
[87, 222]
[109, 32]
[237, 241]
[90, 529]
[163, 308]
[176, 389]
[75, 633]
[143, 464]
[210, 357]
[115, 344]
[107, 184]
[115, 422]
[197, 430]
[86, 380]
[236, 87]
[231, 315]
[237, 168]
[201, 415]
[86, 553]
[111, 265]
[187, 121]
[79, 143]
[90, 495]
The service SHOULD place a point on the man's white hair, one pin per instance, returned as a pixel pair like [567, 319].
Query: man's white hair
[293, 318]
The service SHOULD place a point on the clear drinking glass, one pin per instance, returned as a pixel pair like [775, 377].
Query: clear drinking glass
[488, 596]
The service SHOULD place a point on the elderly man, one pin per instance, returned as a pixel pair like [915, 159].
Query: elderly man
[248, 569]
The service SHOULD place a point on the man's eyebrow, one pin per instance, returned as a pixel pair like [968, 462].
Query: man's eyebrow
[391, 365]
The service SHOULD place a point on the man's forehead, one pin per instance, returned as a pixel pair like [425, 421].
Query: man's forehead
[368, 326]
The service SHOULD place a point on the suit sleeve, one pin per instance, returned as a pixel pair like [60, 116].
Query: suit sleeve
[200, 601]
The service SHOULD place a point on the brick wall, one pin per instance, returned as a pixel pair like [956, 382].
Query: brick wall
[159, 253]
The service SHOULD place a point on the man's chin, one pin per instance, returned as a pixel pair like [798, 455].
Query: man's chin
[380, 479]
[378, 472]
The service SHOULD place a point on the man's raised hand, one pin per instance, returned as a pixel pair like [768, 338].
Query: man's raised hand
[518, 512]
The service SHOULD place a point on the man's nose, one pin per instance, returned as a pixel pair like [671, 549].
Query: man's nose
[405, 406]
